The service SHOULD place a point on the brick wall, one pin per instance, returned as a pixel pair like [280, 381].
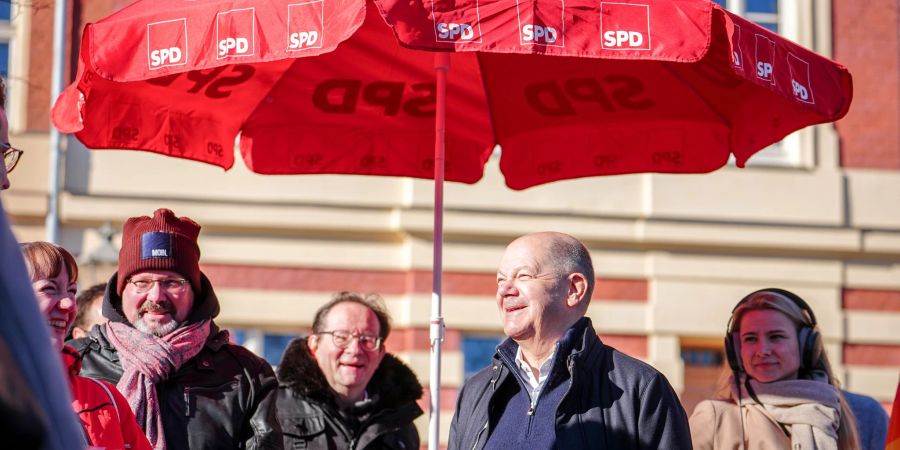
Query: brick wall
[40, 54]
[866, 40]
[41, 51]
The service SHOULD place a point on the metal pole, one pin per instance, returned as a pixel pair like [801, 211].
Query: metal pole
[436, 330]
[51, 222]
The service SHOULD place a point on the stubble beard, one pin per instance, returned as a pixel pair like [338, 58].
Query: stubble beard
[156, 330]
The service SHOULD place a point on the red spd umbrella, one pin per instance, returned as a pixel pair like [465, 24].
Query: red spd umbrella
[634, 86]
[567, 89]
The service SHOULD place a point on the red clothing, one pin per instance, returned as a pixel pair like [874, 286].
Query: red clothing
[105, 425]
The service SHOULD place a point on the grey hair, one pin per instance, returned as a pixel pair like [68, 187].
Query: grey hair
[571, 256]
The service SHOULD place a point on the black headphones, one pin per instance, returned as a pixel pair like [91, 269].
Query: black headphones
[807, 335]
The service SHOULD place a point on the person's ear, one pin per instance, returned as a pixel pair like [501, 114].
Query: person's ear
[312, 343]
[577, 289]
[78, 333]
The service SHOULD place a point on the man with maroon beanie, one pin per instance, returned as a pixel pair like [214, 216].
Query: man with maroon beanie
[188, 386]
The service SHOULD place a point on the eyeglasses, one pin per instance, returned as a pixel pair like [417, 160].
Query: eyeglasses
[342, 338]
[11, 156]
[170, 285]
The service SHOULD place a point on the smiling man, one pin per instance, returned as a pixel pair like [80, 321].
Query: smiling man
[340, 389]
[188, 386]
[553, 384]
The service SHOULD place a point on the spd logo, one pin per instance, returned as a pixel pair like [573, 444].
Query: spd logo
[541, 26]
[800, 83]
[765, 59]
[453, 31]
[236, 33]
[306, 25]
[461, 26]
[167, 43]
[624, 26]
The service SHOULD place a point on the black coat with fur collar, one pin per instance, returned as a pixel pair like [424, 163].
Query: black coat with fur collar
[310, 417]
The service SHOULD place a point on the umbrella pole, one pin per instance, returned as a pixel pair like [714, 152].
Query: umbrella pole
[436, 329]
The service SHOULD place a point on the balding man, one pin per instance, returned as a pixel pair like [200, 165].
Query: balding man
[553, 384]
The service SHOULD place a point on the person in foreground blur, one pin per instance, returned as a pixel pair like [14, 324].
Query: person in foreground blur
[20, 415]
[89, 305]
[871, 420]
[105, 416]
[340, 389]
[553, 384]
[782, 393]
[188, 386]
[22, 422]
[33, 391]
[893, 436]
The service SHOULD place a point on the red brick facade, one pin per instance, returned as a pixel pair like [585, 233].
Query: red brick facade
[388, 282]
[40, 55]
[871, 300]
[40, 51]
[866, 41]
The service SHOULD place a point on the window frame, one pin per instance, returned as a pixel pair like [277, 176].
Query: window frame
[482, 336]
[7, 36]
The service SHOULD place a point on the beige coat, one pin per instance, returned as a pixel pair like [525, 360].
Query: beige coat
[716, 425]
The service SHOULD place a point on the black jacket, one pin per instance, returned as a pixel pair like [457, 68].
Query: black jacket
[23, 423]
[223, 398]
[310, 417]
[614, 402]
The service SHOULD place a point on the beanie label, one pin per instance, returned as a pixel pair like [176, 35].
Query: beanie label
[156, 244]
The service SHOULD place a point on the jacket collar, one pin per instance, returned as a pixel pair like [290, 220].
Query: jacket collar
[71, 360]
[393, 382]
[579, 343]
[588, 346]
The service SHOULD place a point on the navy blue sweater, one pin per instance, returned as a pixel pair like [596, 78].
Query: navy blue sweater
[520, 426]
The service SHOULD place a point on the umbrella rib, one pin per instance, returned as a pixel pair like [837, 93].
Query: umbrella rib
[488, 98]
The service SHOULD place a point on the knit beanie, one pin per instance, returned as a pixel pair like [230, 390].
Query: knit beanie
[163, 242]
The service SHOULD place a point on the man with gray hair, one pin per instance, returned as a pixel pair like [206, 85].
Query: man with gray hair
[553, 383]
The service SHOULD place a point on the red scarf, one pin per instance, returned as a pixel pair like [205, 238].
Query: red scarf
[147, 360]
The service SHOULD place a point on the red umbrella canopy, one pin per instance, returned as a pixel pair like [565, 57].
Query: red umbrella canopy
[568, 89]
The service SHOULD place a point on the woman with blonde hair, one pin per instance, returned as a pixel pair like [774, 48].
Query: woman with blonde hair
[782, 392]
[106, 419]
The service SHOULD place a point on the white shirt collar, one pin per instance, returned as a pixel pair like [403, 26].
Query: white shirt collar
[544, 371]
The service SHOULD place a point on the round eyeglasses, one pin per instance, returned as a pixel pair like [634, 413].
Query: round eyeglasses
[11, 156]
[170, 285]
[342, 338]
